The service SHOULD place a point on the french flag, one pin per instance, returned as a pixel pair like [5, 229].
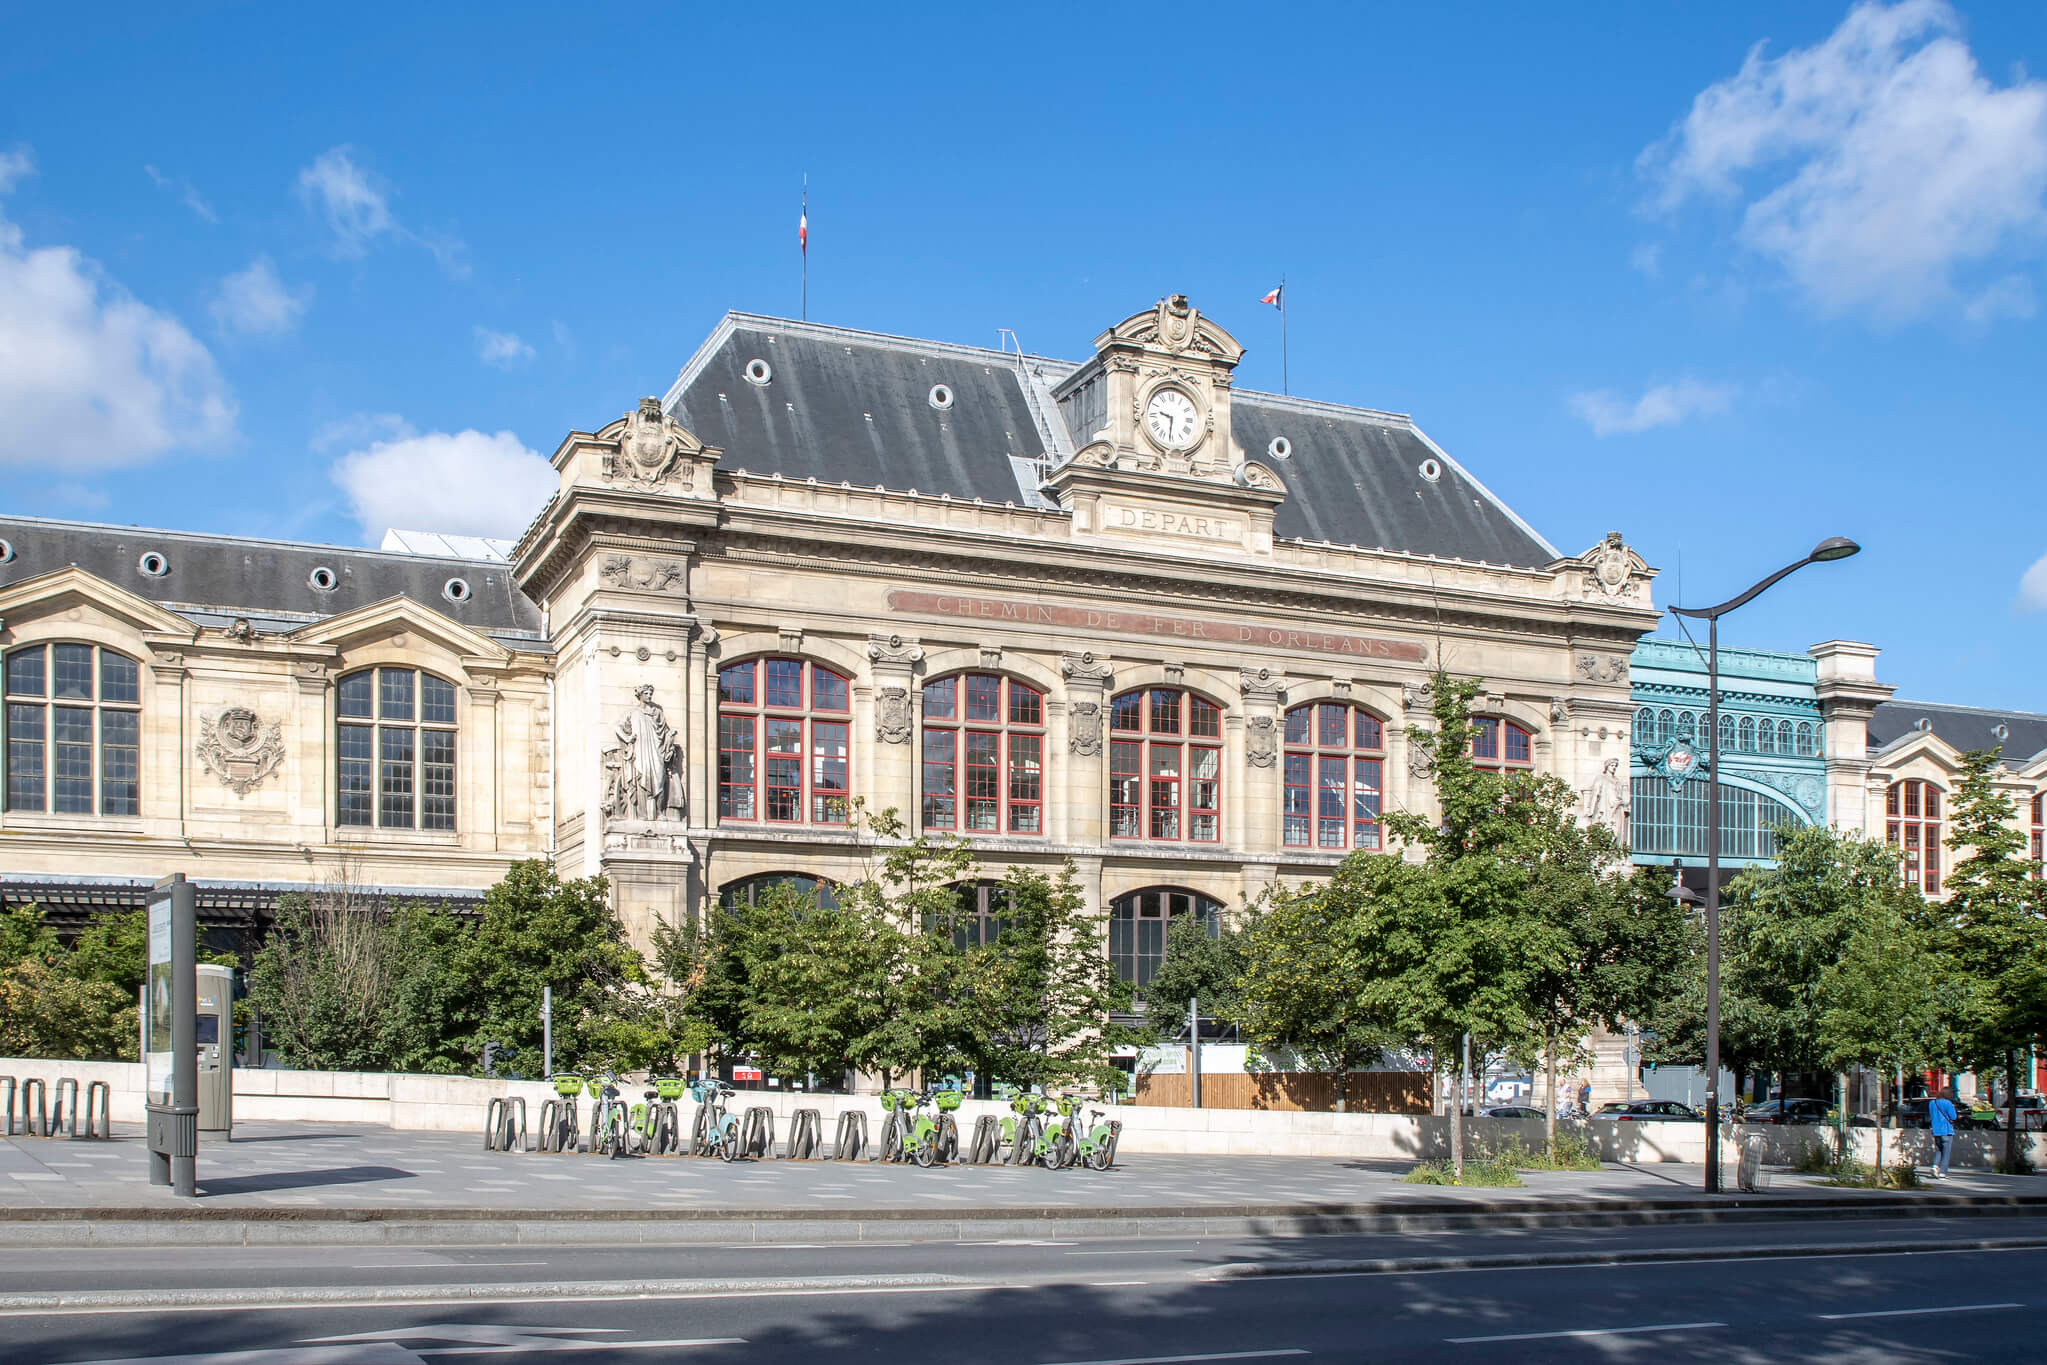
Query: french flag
[803, 230]
[1276, 297]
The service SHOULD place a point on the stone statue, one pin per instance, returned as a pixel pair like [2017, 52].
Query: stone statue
[643, 771]
[1606, 800]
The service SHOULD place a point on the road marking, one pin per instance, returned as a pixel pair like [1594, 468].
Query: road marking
[1586, 1332]
[430, 1301]
[1180, 1360]
[1916, 1312]
[1134, 1251]
[438, 1265]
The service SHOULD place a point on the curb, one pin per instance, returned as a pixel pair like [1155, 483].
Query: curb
[1394, 1265]
[220, 1226]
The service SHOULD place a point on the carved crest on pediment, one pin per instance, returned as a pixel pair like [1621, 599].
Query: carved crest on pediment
[650, 447]
[1611, 571]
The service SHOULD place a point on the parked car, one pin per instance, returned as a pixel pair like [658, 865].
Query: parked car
[1659, 1111]
[2032, 1114]
[1609, 1111]
[1787, 1111]
[1512, 1111]
[1912, 1114]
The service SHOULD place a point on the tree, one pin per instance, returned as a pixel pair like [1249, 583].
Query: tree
[1204, 962]
[1890, 1002]
[1448, 947]
[1038, 1000]
[47, 1012]
[1994, 912]
[1295, 992]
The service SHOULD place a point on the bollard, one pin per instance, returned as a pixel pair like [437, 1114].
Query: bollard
[99, 1097]
[851, 1138]
[35, 1123]
[64, 1111]
[7, 1089]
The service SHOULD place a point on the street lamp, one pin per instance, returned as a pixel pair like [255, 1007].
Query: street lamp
[1832, 548]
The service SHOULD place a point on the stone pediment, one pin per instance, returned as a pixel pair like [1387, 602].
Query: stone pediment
[1610, 572]
[70, 587]
[1173, 326]
[645, 451]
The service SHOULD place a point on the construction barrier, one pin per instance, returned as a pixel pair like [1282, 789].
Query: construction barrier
[851, 1139]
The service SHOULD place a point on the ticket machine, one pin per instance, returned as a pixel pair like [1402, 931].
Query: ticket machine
[216, 1044]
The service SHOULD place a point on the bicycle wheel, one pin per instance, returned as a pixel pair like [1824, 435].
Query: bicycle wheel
[1062, 1152]
[728, 1139]
[891, 1141]
[948, 1140]
[700, 1132]
[1098, 1156]
[926, 1150]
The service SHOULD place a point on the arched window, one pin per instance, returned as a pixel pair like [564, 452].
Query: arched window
[746, 891]
[1645, 727]
[1726, 733]
[1138, 922]
[1335, 774]
[1662, 823]
[1912, 825]
[1687, 729]
[1766, 737]
[394, 734]
[981, 918]
[1503, 744]
[1165, 766]
[2040, 836]
[1804, 742]
[1783, 736]
[984, 755]
[1666, 728]
[784, 727]
[1748, 735]
[74, 730]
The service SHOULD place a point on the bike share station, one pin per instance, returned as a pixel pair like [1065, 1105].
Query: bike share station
[917, 1126]
[188, 1040]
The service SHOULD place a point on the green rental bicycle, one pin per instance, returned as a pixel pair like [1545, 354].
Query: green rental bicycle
[1056, 1147]
[1021, 1128]
[1095, 1148]
[610, 1123]
[561, 1134]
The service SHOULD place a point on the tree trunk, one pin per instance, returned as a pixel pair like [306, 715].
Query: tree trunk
[2011, 1110]
[1342, 1079]
[1456, 1129]
[1549, 1112]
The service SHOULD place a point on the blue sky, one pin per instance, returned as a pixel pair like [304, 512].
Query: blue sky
[1726, 278]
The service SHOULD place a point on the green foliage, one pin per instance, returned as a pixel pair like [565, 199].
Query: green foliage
[1565, 1152]
[47, 1012]
[1204, 963]
[23, 935]
[1997, 915]
[344, 984]
[1296, 988]
[1493, 1170]
[1890, 1002]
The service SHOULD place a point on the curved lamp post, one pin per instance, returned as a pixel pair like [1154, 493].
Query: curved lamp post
[1832, 548]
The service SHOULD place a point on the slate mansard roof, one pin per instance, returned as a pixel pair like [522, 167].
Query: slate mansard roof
[212, 579]
[1964, 727]
[837, 405]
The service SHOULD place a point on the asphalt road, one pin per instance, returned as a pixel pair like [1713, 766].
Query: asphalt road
[1139, 1300]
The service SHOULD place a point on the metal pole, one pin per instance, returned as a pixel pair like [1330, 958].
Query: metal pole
[1464, 1077]
[1713, 908]
[1282, 335]
[547, 1029]
[1194, 1050]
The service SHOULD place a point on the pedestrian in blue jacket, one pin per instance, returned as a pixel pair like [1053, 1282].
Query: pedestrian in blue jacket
[1940, 1116]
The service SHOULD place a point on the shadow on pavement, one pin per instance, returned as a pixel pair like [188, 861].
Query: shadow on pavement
[299, 1180]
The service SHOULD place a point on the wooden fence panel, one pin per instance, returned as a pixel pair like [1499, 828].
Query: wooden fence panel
[1368, 1092]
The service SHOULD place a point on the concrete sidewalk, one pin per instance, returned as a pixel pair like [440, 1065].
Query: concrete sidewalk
[304, 1182]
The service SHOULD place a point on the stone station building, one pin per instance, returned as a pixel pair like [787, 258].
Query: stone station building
[1117, 612]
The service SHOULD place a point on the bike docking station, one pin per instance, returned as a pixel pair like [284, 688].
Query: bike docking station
[919, 1127]
[171, 1033]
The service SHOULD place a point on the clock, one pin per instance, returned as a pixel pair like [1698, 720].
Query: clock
[1172, 419]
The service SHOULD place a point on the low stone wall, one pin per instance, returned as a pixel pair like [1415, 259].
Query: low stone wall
[457, 1104]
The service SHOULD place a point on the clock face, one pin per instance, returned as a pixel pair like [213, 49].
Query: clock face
[1171, 418]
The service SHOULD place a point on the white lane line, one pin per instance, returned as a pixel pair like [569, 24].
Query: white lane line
[546, 1298]
[439, 1265]
[1586, 1332]
[1181, 1360]
[670, 1344]
[1916, 1312]
[1134, 1251]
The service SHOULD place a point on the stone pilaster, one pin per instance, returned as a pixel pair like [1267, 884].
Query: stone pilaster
[1255, 823]
[1082, 814]
[896, 707]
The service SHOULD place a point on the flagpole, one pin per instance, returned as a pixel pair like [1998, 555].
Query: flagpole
[804, 247]
[1282, 335]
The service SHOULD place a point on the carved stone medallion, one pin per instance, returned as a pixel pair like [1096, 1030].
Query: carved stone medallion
[892, 715]
[1086, 736]
[1602, 668]
[641, 575]
[648, 447]
[1261, 741]
[238, 749]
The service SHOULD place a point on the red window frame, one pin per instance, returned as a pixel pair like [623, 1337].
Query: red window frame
[1165, 766]
[1501, 745]
[2040, 836]
[808, 707]
[1334, 775]
[982, 757]
[1912, 825]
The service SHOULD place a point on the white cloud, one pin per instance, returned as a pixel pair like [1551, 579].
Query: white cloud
[90, 377]
[463, 483]
[187, 195]
[2033, 587]
[2010, 297]
[1610, 414]
[1873, 166]
[254, 302]
[356, 206]
[361, 428]
[502, 349]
